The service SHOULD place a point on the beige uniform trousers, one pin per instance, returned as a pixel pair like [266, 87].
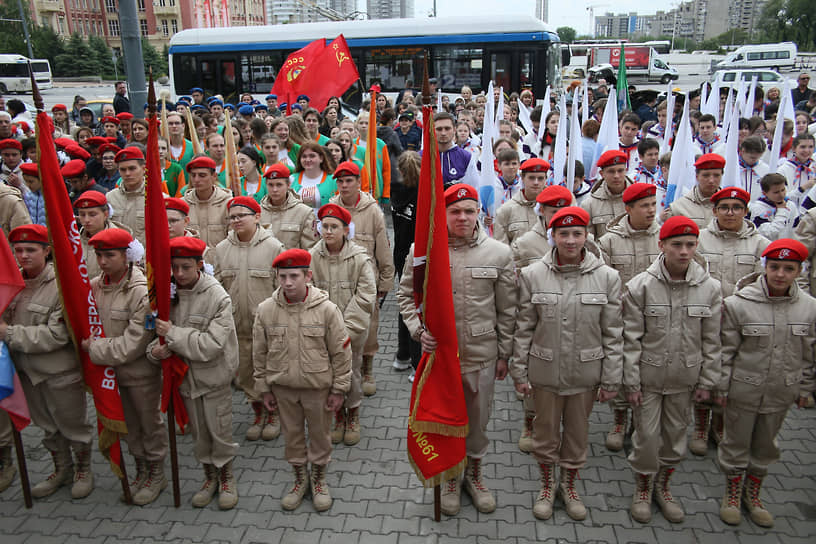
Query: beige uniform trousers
[211, 425]
[147, 437]
[296, 406]
[6, 437]
[478, 387]
[57, 406]
[749, 441]
[659, 440]
[244, 378]
[371, 344]
[354, 397]
[551, 444]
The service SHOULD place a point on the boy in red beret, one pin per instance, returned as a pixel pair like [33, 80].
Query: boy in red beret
[291, 221]
[604, 202]
[517, 215]
[696, 204]
[671, 353]
[11, 155]
[128, 199]
[302, 362]
[243, 265]
[208, 201]
[768, 338]
[201, 331]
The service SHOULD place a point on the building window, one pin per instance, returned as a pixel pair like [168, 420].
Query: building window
[113, 27]
[141, 5]
[173, 23]
[110, 6]
[162, 2]
[172, 3]
[165, 29]
[143, 26]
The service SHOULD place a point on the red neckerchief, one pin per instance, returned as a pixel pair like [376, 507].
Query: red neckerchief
[290, 302]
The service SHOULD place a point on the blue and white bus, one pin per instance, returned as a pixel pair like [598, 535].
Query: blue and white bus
[516, 52]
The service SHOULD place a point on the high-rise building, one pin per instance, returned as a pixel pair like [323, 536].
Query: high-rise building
[745, 14]
[390, 9]
[695, 19]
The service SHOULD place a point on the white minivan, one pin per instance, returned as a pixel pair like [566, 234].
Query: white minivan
[773, 56]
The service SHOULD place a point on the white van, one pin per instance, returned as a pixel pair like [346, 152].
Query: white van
[773, 56]
[731, 78]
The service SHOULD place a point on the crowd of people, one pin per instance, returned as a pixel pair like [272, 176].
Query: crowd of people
[606, 291]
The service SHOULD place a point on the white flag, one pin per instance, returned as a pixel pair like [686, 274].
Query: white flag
[681, 173]
[560, 152]
[576, 147]
[608, 134]
[669, 132]
[732, 169]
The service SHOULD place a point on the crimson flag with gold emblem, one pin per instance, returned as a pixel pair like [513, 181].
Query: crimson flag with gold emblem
[293, 69]
[331, 73]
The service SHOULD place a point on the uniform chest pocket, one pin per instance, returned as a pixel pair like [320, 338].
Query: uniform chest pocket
[198, 322]
[601, 219]
[316, 354]
[594, 300]
[757, 335]
[517, 226]
[799, 329]
[275, 338]
[480, 282]
[656, 317]
[621, 260]
[289, 227]
[39, 312]
[713, 263]
[546, 304]
[699, 311]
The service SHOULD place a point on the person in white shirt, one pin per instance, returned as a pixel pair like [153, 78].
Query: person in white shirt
[800, 170]
[751, 167]
[774, 214]
[706, 139]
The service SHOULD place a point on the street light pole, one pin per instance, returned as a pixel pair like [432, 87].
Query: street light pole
[25, 29]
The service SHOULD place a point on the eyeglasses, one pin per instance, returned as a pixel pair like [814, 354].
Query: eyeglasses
[238, 216]
[731, 209]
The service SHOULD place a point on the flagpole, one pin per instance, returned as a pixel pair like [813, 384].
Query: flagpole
[21, 464]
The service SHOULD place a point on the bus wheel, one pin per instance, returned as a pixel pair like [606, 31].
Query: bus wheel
[665, 79]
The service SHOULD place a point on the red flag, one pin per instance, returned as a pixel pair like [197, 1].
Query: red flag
[12, 398]
[157, 240]
[331, 73]
[293, 69]
[78, 303]
[437, 422]
[11, 281]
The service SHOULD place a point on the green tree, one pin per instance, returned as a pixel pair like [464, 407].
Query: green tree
[789, 20]
[11, 32]
[566, 33]
[102, 55]
[47, 44]
[78, 58]
[151, 58]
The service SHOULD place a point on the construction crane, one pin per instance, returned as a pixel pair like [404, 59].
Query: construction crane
[591, 10]
[327, 12]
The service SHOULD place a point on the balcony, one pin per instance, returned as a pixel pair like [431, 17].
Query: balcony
[48, 6]
[166, 9]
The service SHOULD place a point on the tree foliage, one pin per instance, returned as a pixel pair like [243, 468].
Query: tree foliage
[151, 58]
[789, 20]
[566, 33]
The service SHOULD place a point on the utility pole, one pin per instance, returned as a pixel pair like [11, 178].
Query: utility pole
[132, 51]
[25, 29]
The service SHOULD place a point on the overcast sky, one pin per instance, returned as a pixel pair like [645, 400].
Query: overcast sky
[576, 16]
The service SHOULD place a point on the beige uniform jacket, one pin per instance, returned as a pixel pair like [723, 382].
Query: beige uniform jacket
[369, 232]
[695, 206]
[37, 338]
[303, 345]
[731, 255]
[293, 223]
[768, 346]
[123, 307]
[13, 211]
[245, 270]
[671, 334]
[806, 233]
[531, 246]
[627, 250]
[129, 209]
[484, 299]
[569, 326]
[209, 217]
[514, 218]
[348, 278]
[603, 207]
[203, 335]
[90, 253]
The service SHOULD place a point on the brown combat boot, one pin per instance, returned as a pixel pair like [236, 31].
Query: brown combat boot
[254, 430]
[271, 428]
[141, 475]
[569, 494]
[698, 445]
[228, 491]
[672, 509]
[83, 477]
[730, 505]
[543, 507]
[63, 475]
[449, 497]
[750, 497]
[369, 384]
[614, 439]
[321, 498]
[7, 469]
[482, 498]
[338, 429]
[294, 496]
[352, 434]
[154, 483]
[205, 495]
[525, 442]
[641, 508]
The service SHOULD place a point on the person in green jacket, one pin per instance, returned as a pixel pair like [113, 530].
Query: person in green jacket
[249, 164]
[312, 179]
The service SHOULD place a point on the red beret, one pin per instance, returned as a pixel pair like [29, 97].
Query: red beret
[129, 154]
[611, 158]
[10, 143]
[177, 204]
[246, 202]
[277, 170]
[333, 210]
[29, 233]
[96, 141]
[124, 116]
[571, 216]
[111, 239]
[24, 126]
[731, 192]
[535, 165]
[346, 168]
[187, 246]
[73, 169]
[64, 142]
[710, 161]
[636, 191]
[59, 107]
[787, 250]
[678, 225]
[76, 152]
[30, 169]
[293, 258]
[557, 196]
[110, 119]
[91, 199]
[201, 162]
[460, 191]
[104, 148]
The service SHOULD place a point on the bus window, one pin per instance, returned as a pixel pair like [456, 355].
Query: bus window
[185, 73]
[457, 67]
[526, 67]
[394, 67]
[258, 72]
[228, 83]
[500, 70]
[209, 80]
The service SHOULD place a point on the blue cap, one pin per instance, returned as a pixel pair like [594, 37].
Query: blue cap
[196, 90]
[282, 106]
[297, 106]
[255, 102]
[229, 106]
[271, 96]
[246, 109]
[210, 99]
[198, 107]
[303, 97]
[182, 103]
[216, 101]
[186, 98]
[242, 104]
[261, 107]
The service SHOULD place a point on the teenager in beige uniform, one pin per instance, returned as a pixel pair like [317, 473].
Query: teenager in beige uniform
[243, 265]
[121, 298]
[671, 353]
[518, 215]
[290, 220]
[42, 351]
[605, 201]
[527, 249]
[568, 341]
[630, 246]
[302, 358]
[484, 304]
[128, 199]
[93, 214]
[202, 332]
[733, 248]
[369, 232]
[806, 234]
[696, 204]
[207, 200]
[768, 341]
[344, 270]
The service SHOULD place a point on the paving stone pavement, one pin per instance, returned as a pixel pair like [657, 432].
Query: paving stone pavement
[378, 499]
